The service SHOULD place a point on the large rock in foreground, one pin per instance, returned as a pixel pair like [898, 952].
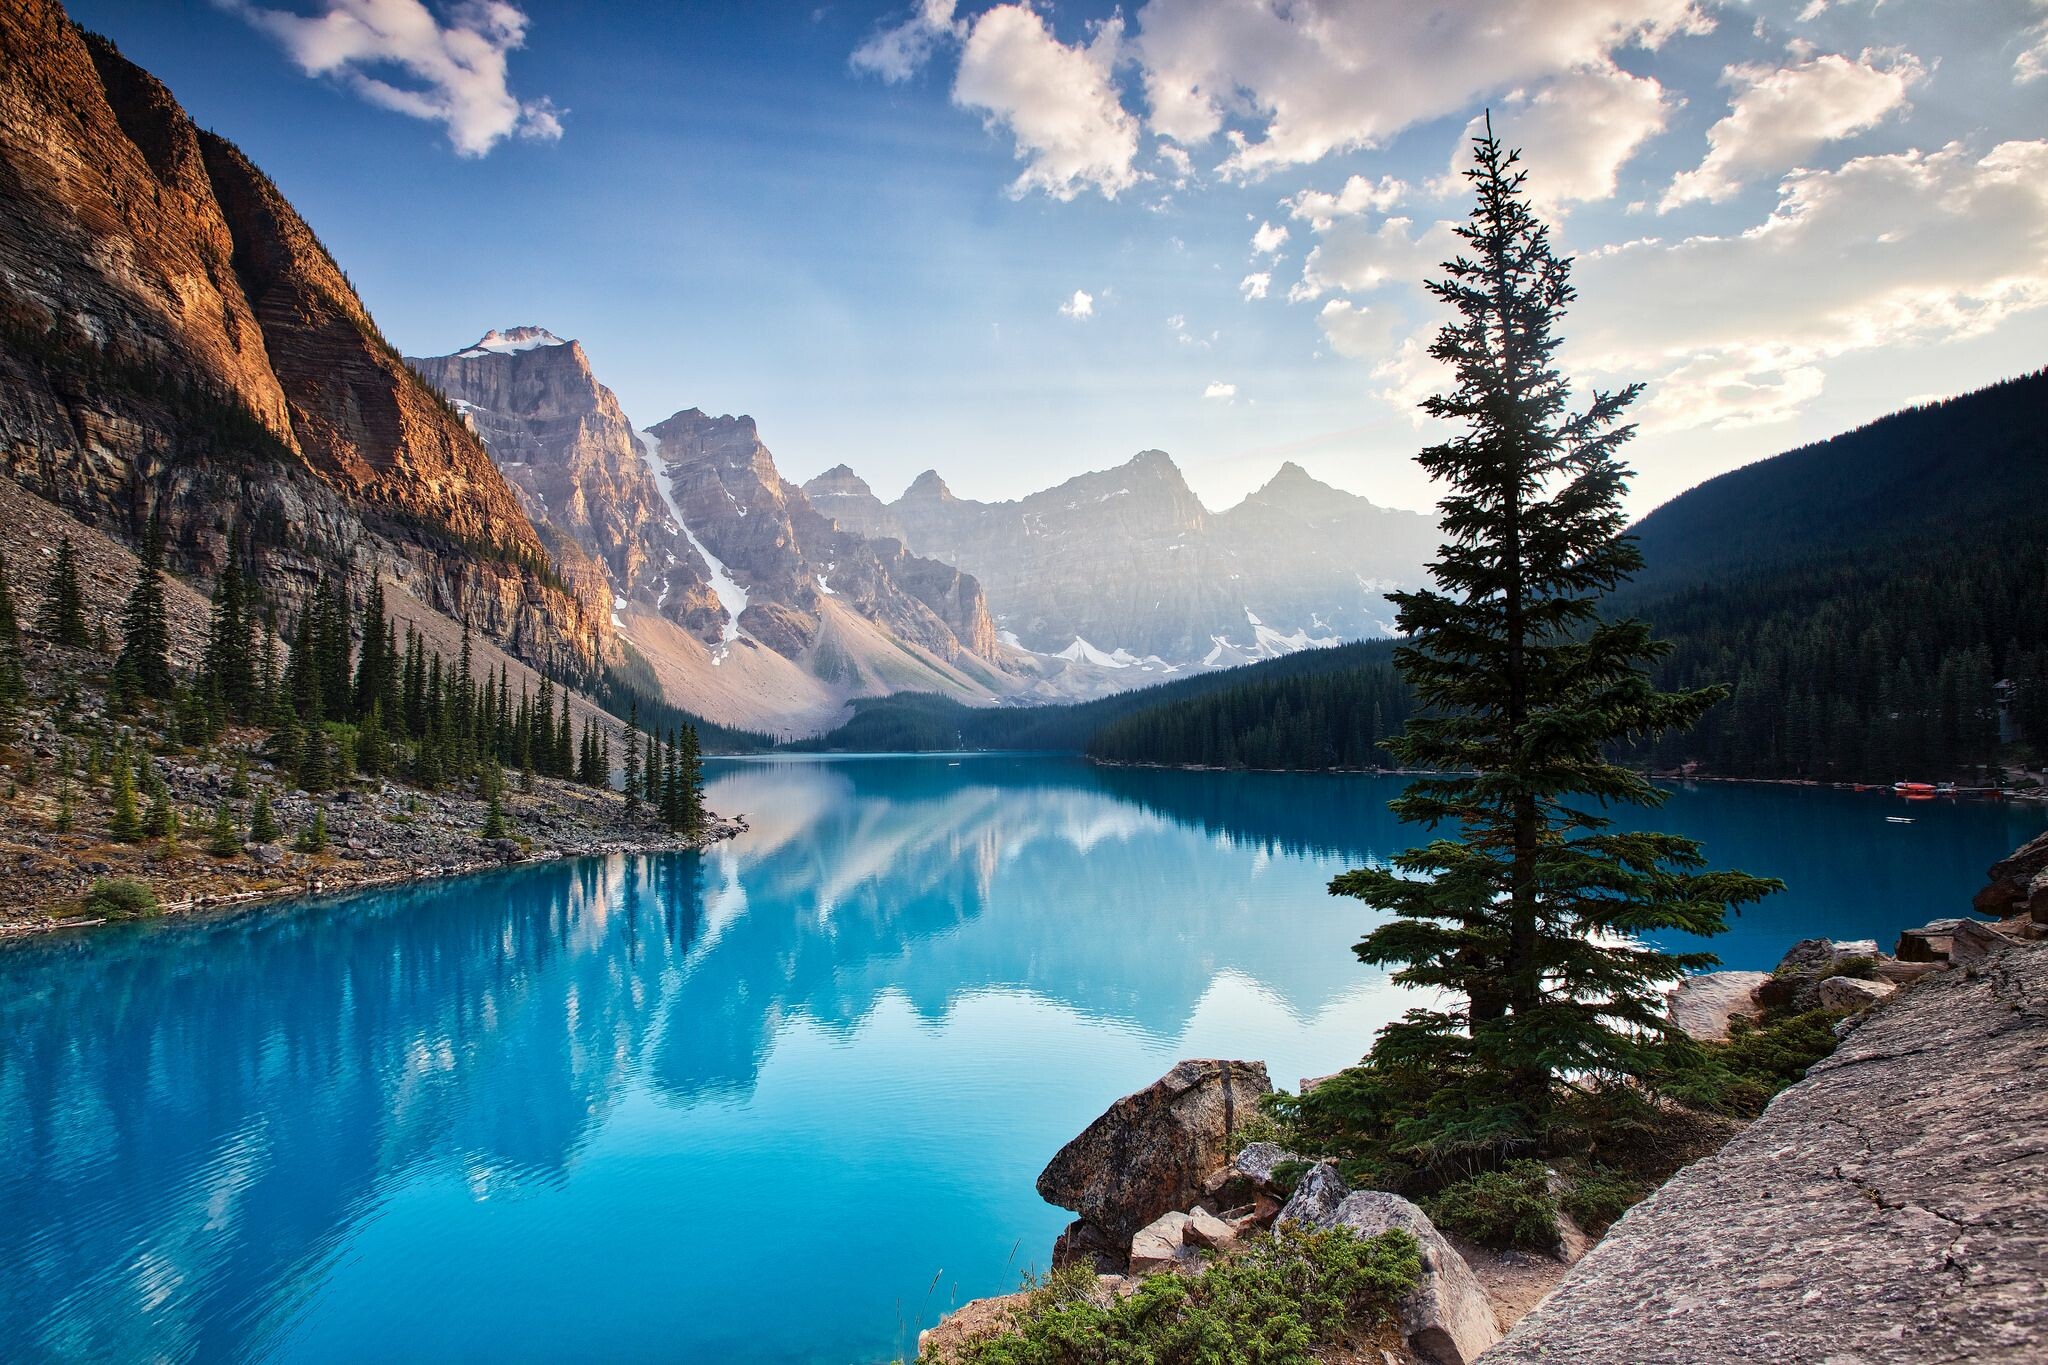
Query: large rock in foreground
[1893, 1206]
[1447, 1317]
[2019, 884]
[1702, 1006]
[1150, 1152]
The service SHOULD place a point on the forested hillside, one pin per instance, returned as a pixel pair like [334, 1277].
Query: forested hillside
[1875, 601]
[1878, 604]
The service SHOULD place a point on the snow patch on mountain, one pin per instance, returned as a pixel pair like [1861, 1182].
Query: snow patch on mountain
[519, 339]
[731, 595]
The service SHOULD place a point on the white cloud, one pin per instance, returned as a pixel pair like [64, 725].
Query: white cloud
[1889, 251]
[1359, 195]
[454, 73]
[1057, 102]
[2032, 63]
[1357, 256]
[1268, 239]
[1779, 116]
[1360, 333]
[895, 53]
[1082, 305]
[1254, 286]
[1218, 389]
[1306, 79]
[1180, 167]
[1575, 133]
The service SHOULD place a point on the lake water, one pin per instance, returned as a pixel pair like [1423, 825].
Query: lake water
[781, 1102]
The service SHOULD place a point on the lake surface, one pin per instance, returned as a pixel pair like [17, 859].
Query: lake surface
[781, 1102]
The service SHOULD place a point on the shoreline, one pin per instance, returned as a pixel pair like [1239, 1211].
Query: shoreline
[338, 880]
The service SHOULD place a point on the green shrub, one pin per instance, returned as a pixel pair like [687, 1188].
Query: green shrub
[1598, 1195]
[1862, 968]
[1740, 1076]
[121, 898]
[1510, 1207]
[1274, 1303]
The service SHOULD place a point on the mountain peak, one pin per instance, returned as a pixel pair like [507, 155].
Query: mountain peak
[839, 479]
[1152, 461]
[511, 341]
[929, 485]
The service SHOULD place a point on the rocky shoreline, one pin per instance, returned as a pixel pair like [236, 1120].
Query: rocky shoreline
[1939, 1035]
[378, 834]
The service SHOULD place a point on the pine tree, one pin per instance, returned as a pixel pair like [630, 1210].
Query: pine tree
[63, 611]
[313, 838]
[262, 824]
[13, 683]
[229, 664]
[143, 668]
[238, 777]
[123, 826]
[690, 782]
[494, 819]
[632, 747]
[1529, 905]
[225, 841]
[316, 768]
[371, 758]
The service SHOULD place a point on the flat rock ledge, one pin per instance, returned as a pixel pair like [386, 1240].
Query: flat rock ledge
[1893, 1206]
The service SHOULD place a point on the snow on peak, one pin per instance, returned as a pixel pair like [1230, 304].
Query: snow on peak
[1081, 652]
[511, 342]
[730, 594]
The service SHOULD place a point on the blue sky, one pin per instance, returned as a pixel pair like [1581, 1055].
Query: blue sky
[1017, 243]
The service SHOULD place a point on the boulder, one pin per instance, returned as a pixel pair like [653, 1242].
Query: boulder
[270, 855]
[1204, 1230]
[1447, 1316]
[1852, 993]
[1160, 1245]
[1702, 1006]
[1256, 1162]
[1150, 1152]
[1973, 941]
[2019, 883]
[1905, 973]
[1929, 943]
[1082, 1242]
[967, 1324]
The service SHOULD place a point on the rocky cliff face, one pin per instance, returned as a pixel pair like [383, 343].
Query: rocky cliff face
[174, 338]
[790, 557]
[1126, 563]
[561, 439]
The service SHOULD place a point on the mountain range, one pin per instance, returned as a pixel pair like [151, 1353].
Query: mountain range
[1127, 567]
[757, 602]
[178, 345]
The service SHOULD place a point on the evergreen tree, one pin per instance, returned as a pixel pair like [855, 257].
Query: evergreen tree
[494, 819]
[143, 668]
[238, 778]
[228, 666]
[632, 747]
[225, 841]
[123, 826]
[1529, 905]
[262, 824]
[371, 759]
[372, 665]
[316, 766]
[13, 683]
[313, 838]
[63, 611]
[161, 821]
[690, 782]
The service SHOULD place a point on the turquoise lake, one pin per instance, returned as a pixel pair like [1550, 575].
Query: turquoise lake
[780, 1102]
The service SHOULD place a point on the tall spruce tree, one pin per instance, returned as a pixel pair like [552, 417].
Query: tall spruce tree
[143, 668]
[62, 617]
[229, 665]
[632, 750]
[1529, 904]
